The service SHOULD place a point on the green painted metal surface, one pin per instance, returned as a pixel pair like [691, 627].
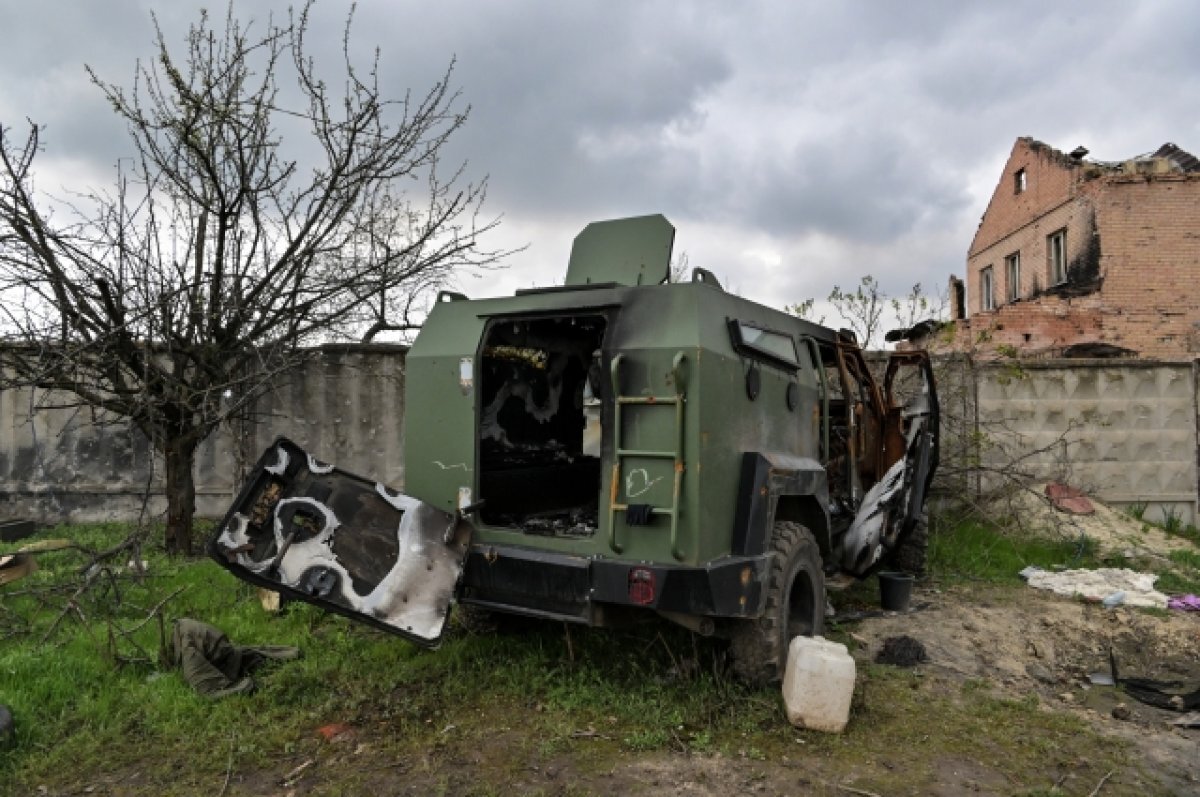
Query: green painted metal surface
[672, 339]
[633, 251]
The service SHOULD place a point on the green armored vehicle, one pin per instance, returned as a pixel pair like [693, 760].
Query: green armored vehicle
[616, 445]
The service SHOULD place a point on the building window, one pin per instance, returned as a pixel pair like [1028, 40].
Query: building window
[987, 294]
[1012, 270]
[1056, 251]
[1019, 181]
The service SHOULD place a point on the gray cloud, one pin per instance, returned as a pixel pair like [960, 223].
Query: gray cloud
[802, 144]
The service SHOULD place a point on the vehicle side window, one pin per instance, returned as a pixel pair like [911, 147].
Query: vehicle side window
[762, 343]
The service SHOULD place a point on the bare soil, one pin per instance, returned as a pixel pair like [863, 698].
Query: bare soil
[1037, 643]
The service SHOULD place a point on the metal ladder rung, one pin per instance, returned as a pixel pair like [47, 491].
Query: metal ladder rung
[676, 401]
[633, 452]
[654, 510]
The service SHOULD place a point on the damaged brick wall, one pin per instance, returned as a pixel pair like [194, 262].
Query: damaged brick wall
[1132, 261]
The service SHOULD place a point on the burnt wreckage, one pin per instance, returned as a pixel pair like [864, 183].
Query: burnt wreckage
[616, 445]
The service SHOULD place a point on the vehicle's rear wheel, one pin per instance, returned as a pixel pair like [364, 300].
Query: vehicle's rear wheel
[795, 606]
[912, 555]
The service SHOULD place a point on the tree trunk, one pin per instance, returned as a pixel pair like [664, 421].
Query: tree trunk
[180, 455]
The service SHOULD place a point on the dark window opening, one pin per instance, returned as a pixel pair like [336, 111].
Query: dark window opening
[1019, 182]
[539, 424]
[1012, 268]
[1056, 251]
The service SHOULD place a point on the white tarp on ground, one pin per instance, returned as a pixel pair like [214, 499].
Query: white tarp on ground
[1099, 584]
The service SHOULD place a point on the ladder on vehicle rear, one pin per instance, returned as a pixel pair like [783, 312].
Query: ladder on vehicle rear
[620, 453]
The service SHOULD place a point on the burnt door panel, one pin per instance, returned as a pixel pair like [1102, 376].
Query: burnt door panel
[892, 507]
[345, 543]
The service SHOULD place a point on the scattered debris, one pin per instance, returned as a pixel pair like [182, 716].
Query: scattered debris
[214, 666]
[1185, 603]
[13, 530]
[902, 651]
[1115, 599]
[295, 774]
[1100, 585]
[1170, 695]
[336, 732]
[1069, 499]
[15, 567]
[1121, 712]
[270, 600]
[1114, 532]
[1100, 785]
[1189, 720]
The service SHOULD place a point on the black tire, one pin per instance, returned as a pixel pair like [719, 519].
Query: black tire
[795, 606]
[912, 555]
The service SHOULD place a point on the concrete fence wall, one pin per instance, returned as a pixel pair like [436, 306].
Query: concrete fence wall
[1124, 430]
[346, 406]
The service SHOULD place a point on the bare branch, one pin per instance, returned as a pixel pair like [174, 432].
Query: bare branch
[262, 211]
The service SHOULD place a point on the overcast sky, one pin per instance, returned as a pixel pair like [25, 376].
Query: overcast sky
[794, 145]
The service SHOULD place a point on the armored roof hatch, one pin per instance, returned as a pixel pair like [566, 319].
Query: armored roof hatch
[633, 251]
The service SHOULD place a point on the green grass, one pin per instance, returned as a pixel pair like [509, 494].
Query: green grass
[971, 550]
[500, 702]
[1183, 577]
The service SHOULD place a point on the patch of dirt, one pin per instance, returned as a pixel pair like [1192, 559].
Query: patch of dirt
[1113, 531]
[1031, 642]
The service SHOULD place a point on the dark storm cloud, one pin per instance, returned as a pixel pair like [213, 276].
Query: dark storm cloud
[792, 140]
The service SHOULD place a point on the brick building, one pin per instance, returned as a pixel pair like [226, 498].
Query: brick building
[1075, 257]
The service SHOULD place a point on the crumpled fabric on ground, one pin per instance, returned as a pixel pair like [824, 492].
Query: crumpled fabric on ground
[1099, 584]
[1185, 603]
[214, 666]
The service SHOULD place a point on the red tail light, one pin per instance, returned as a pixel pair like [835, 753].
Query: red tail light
[641, 586]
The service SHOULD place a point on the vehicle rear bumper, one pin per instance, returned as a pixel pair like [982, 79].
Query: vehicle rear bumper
[570, 588]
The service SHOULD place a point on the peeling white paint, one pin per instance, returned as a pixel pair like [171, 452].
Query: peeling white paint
[281, 463]
[316, 466]
[870, 524]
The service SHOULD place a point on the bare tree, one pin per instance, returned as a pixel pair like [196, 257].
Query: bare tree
[262, 212]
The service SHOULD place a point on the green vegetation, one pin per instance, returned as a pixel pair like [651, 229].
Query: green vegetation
[968, 549]
[90, 710]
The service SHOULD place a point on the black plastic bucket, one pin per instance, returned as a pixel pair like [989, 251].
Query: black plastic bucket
[895, 591]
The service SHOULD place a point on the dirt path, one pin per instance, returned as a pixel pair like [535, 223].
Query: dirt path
[1035, 643]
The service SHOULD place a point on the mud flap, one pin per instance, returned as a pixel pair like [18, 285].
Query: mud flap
[344, 543]
[893, 506]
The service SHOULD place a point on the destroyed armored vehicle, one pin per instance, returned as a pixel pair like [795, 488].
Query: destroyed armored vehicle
[617, 445]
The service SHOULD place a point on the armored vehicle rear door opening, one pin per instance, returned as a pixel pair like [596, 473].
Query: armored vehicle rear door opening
[540, 387]
[350, 545]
